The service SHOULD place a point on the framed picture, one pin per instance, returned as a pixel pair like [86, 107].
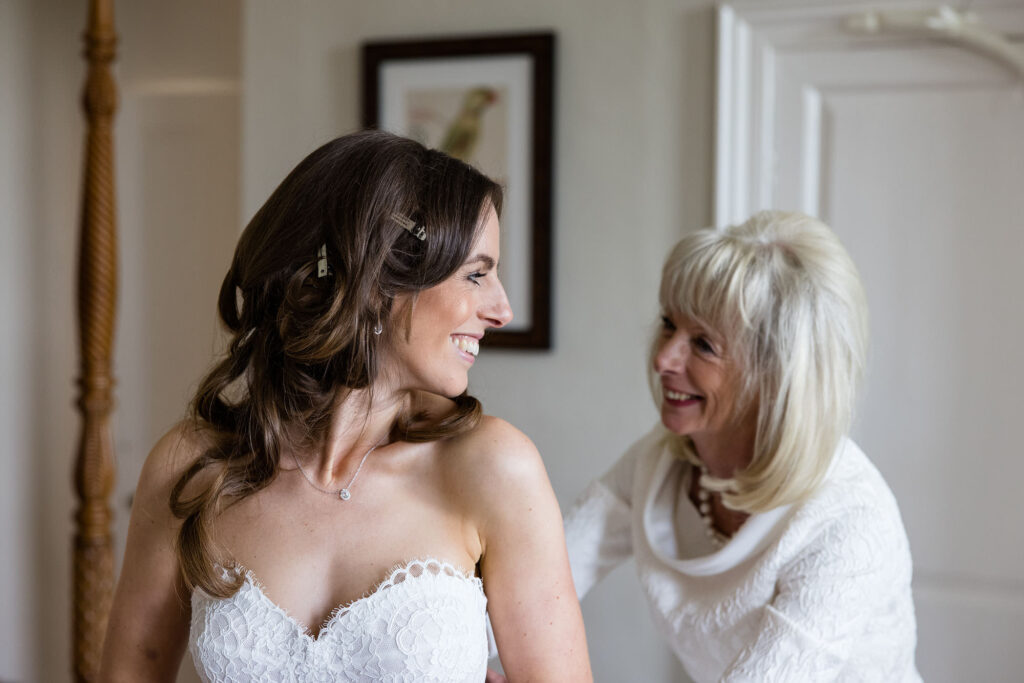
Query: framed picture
[488, 101]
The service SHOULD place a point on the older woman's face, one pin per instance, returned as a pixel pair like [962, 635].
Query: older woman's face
[699, 383]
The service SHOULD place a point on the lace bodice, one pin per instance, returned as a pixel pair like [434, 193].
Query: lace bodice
[425, 622]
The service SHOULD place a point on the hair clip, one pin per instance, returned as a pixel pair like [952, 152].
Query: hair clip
[416, 231]
[323, 269]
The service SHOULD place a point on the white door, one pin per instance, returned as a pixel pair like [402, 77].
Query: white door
[913, 150]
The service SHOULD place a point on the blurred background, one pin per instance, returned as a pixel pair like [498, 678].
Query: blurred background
[669, 115]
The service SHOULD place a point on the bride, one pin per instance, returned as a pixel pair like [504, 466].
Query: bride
[338, 507]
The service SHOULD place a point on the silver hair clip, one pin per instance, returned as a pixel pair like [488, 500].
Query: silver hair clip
[323, 269]
[416, 231]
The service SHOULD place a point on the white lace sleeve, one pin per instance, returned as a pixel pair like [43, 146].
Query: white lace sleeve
[856, 568]
[598, 529]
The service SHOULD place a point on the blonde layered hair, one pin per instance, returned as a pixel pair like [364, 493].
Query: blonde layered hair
[783, 293]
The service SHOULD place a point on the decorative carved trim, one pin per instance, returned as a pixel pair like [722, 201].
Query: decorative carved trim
[97, 301]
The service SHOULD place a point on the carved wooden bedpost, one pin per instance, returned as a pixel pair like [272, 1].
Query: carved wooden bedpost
[97, 299]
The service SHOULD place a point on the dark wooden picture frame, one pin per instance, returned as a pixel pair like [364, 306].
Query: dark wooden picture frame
[424, 89]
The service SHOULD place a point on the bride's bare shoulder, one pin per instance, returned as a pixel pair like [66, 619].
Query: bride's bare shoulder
[169, 459]
[495, 460]
[499, 442]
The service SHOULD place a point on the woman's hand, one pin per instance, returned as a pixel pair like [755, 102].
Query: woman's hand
[494, 677]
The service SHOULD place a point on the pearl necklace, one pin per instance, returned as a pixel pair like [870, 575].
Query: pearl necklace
[344, 493]
[717, 538]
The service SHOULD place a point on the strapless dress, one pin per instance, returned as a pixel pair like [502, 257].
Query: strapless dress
[425, 622]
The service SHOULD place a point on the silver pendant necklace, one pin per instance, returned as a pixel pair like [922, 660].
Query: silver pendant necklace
[344, 493]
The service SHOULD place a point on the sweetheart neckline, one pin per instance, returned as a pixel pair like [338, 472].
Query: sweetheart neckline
[427, 566]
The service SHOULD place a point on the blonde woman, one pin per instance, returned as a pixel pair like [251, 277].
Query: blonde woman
[767, 544]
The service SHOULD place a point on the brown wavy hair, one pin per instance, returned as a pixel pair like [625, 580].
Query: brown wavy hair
[299, 343]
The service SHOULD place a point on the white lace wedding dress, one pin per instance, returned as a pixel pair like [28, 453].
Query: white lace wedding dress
[425, 622]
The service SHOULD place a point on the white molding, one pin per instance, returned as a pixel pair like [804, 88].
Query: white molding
[810, 182]
[726, 158]
[740, 74]
[766, 131]
[186, 87]
[961, 28]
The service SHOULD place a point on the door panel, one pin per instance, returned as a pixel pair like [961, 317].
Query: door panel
[913, 151]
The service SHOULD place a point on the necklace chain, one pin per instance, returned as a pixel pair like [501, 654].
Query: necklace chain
[343, 493]
[717, 538]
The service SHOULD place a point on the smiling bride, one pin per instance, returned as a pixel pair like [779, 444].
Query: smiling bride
[337, 507]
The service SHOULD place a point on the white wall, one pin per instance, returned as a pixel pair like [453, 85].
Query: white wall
[15, 374]
[633, 132]
[54, 135]
[178, 156]
[177, 72]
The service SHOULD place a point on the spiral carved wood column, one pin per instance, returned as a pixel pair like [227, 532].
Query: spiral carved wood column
[97, 300]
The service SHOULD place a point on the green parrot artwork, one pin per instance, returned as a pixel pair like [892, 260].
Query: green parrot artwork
[463, 133]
